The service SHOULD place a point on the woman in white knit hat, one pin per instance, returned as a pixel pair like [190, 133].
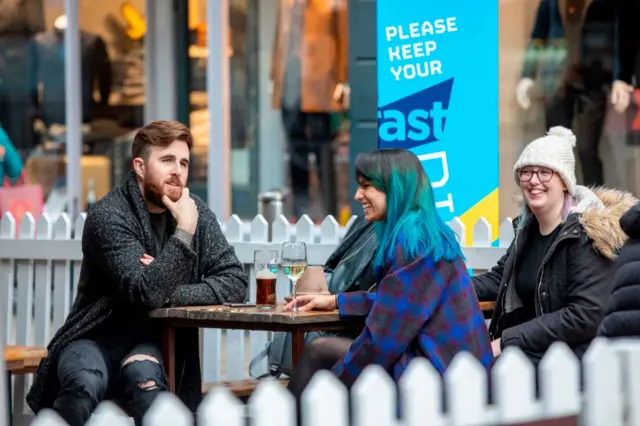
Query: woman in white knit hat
[555, 278]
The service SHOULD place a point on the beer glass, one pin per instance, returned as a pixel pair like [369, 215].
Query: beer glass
[265, 263]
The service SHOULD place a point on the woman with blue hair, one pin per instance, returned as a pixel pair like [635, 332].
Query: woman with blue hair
[425, 304]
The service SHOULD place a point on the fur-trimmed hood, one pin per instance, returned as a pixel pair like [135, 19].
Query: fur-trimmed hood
[599, 210]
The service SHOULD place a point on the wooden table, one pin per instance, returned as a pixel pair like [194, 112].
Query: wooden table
[487, 309]
[20, 360]
[23, 359]
[246, 319]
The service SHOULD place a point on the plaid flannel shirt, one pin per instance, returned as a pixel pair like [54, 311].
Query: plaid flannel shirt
[420, 308]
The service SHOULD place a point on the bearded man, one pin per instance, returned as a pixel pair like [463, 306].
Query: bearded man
[147, 244]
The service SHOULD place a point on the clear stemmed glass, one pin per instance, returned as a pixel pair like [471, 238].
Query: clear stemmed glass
[294, 263]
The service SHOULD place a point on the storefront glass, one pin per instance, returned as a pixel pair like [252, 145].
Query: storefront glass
[309, 84]
[558, 60]
[32, 92]
[289, 95]
[287, 126]
[241, 55]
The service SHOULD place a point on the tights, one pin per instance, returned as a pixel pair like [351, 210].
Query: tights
[321, 353]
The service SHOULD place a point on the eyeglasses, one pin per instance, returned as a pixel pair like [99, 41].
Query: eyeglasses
[544, 175]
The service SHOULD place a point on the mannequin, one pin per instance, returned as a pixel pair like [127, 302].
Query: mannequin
[19, 21]
[309, 83]
[581, 56]
[47, 62]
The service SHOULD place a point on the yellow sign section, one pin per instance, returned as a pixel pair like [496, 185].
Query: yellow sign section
[484, 208]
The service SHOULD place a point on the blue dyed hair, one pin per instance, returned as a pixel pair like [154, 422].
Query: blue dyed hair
[411, 218]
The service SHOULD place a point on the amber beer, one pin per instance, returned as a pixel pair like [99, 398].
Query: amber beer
[266, 289]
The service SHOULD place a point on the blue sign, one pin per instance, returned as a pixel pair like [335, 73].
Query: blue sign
[438, 97]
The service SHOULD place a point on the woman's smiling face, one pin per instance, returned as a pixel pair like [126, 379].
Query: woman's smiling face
[374, 201]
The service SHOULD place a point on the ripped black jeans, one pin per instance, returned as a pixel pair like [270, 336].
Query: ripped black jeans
[91, 371]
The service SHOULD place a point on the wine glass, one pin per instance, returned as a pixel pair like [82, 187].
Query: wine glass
[294, 263]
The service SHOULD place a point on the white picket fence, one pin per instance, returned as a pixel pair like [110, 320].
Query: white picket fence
[611, 395]
[43, 257]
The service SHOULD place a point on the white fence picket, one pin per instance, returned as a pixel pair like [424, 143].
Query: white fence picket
[7, 277]
[167, 409]
[258, 340]
[78, 227]
[4, 386]
[109, 414]
[24, 317]
[329, 231]
[514, 387]
[48, 417]
[506, 233]
[602, 372]
[459, 229]
[421, 394]
[305, 229]
[221, 408]
[61, 275]
[324, 391]
[559, 373]
[466, 391]
[374, 398]
[234, 344]
[482, 233]
[272, 405]
[43, 285]
[628, 351]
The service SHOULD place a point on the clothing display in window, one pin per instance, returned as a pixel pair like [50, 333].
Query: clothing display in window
[19, 21]
[17, 97]
[309, 62]
[21, 17]
[310, 54]
[578, 48]
[48, 58]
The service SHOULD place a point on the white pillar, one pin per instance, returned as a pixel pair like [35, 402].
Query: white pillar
[73, 106]
[160, 62]
[218, 94]
[271, 137]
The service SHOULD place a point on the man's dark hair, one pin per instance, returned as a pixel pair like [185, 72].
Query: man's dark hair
[159, 133]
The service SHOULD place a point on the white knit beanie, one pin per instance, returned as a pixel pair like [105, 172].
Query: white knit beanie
[554, 151]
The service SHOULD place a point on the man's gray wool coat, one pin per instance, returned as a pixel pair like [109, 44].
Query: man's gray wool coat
[117, 233]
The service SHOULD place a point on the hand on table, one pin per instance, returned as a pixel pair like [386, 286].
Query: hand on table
[319, 302]
[146, 260]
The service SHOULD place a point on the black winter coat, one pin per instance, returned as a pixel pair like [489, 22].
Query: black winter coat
[622, 316]
[574, 278]
[117, 233]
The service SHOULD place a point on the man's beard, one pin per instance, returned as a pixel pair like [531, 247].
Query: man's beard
[153, 190]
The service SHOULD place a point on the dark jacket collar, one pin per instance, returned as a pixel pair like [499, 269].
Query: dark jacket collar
[138, 205]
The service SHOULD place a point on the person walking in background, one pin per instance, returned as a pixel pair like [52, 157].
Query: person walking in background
[554, 280]
[10, 162]
[424, 304]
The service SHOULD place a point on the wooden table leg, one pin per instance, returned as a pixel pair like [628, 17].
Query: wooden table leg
[169, 355]
[297, 345]
[9, 398]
